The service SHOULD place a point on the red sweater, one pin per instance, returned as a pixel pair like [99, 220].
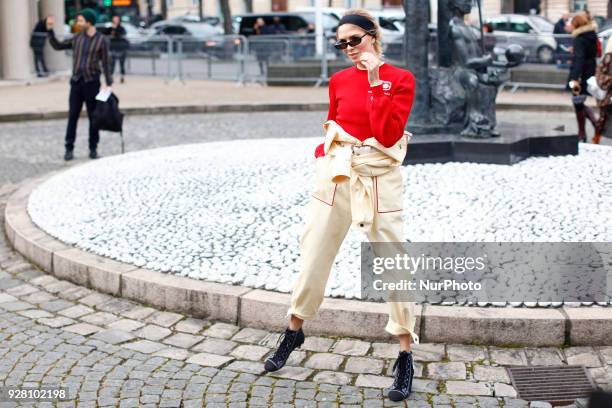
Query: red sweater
[363, 111]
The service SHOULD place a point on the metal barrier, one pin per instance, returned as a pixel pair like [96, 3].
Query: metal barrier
[292, 59]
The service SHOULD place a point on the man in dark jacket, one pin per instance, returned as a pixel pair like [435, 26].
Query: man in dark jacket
[560, 25]
[584, 61]
[90, 57]
[37, 42]
[118, 46]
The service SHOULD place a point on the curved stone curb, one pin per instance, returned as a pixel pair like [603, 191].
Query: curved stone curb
[244, 107]
[267, 309]
[178, 109]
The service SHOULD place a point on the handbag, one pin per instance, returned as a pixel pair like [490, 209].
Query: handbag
[594, 89]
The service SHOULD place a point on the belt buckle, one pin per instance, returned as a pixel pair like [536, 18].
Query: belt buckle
[360, 149]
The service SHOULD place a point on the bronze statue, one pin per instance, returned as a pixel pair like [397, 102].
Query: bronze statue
[478, 74]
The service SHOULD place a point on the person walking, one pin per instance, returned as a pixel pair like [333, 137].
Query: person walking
[358, 183]
[119, 45]
[37, 43]
[89, 59]
[584, 56]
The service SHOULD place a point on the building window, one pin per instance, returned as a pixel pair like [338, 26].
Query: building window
[580, 5]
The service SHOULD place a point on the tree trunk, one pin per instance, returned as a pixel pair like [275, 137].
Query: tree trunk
[201, 9]
[248, 6]
[227, 17]
[415, 51]
[164, 9]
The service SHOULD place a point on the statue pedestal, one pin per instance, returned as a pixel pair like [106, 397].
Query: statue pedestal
[515, 143]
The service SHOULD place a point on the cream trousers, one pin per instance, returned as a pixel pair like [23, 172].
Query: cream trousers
[328, 219]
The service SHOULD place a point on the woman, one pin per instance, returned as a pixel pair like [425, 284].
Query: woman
[603, 74]
[584, 50]
[358, 183]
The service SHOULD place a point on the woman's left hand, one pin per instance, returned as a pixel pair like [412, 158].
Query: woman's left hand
[371, 62]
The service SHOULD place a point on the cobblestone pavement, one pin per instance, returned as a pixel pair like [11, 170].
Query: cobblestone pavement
[113, 352]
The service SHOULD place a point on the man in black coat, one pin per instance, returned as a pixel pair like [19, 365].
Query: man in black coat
[118, 45]
[560, 25]
[90, 58]
[37, 43]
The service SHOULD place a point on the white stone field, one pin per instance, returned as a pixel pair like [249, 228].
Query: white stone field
[232, 211]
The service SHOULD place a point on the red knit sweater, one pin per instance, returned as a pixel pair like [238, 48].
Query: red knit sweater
[363, 111]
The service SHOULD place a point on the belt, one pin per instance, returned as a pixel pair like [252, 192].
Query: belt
[357, 149]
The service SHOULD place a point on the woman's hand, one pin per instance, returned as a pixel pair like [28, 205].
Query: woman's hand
[371, 62]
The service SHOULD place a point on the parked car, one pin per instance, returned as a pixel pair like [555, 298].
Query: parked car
[330, 21]
[533, 33]
[193, 36]
[188, 19]
[393, 49]
[292, 22]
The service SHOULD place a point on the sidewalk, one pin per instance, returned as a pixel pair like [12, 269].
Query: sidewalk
[148, 94]
[111, 351]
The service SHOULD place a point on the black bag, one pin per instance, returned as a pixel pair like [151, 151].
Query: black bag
[107, 116]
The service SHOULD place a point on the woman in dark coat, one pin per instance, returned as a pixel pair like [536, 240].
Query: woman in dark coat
[584, 62]
[37, 43]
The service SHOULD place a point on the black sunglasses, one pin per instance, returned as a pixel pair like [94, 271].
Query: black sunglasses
[353, 42]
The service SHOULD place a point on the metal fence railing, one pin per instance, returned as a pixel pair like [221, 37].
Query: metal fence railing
[292, 59]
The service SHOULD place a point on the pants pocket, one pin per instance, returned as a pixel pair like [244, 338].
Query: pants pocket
[324, 189]
[389, 191]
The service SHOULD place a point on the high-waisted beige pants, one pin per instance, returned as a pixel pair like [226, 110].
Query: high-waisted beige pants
[328, 219]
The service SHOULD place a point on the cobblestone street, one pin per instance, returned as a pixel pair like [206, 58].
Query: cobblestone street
[113, 352]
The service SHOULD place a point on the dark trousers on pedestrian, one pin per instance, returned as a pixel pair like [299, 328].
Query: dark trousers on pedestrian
[39, 60]
[118, 56]
[82, 92]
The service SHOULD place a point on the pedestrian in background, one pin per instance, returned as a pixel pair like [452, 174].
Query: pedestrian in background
[90, 57]
[119, 45]
[584, 56]
[259, 46]
[277, 27]
[564, 41]
[560, 24]
[37, 43]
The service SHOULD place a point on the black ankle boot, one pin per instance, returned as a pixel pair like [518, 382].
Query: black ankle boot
[68, 155]
[403, 371]
[291, 340]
